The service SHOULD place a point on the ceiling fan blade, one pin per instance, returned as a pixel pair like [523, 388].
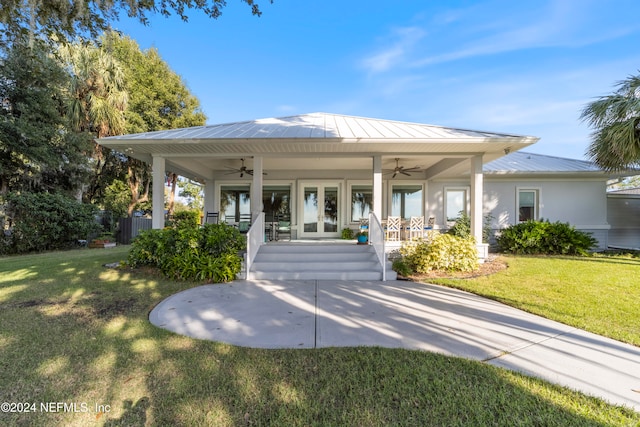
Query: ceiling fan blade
[413, 169]
[394, 175]
[249, 171]
[404, 172]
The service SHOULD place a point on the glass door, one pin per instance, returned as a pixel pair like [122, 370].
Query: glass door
[320, 207]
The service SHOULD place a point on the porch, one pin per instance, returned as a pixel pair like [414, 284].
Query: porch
[324, 172]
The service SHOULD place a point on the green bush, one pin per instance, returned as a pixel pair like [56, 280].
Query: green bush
[188, 218]
[441, 252]
[46, 221]
[402, 267]
[347, 234]
[186, 252]
[544, 237]
[462, 227]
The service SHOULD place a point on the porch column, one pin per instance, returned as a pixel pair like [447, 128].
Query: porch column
[477, 179]
[377, 186]
[210, 204]
[256, 188]
[157, 199]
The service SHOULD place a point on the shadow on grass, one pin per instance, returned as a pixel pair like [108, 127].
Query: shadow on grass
[90, 341]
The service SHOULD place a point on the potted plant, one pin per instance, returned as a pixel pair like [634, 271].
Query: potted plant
[362, 237]
[347, 234]
[103, 241]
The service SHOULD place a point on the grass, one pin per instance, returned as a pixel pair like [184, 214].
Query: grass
[73, 332]
[600, 294]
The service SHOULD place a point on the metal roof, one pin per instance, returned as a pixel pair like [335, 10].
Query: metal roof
[522, 162]
[197, 151]
[315, 126]
[626, 191]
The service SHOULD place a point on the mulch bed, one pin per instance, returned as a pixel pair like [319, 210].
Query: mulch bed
[491, 265]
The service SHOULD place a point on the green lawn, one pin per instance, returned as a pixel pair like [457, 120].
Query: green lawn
[600, 294]
[74, 338]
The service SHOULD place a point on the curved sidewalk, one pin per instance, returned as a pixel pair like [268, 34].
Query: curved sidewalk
[312, 314]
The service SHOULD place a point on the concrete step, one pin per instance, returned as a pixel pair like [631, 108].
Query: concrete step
[293, 265]
[317, 275]
[310, 257]
[297, 261]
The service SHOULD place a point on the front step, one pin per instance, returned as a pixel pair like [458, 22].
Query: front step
[317, 261]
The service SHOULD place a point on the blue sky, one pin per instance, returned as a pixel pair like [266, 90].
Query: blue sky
[525, 67]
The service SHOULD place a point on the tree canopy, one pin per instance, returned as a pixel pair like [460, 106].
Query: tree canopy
[615, 118]
[37, 149]
[67, 19]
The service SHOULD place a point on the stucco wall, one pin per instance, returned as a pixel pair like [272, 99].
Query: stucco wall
[581, 203]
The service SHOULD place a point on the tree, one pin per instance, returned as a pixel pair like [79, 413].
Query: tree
[66, 19]
[615, 142]
[158, 100]
[193, 193]
[98, 100]
[37, 151]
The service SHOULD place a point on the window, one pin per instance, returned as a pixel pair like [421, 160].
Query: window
[235, 200]
[406, 200]
[527, 205]
[276, 200]
[455, 203]
[361, 201]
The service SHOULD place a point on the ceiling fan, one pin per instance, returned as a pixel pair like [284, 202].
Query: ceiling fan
[242, 170]
[401, 169]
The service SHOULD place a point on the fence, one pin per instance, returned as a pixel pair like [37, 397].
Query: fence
[129, 228]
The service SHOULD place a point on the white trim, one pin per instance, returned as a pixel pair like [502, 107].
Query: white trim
[537, 214]
[320, 183]
[349, 185]
[392, 182]
[235, 182]
[467, 207]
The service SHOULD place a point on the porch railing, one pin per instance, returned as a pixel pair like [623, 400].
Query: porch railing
[255, 239]
[376, 239]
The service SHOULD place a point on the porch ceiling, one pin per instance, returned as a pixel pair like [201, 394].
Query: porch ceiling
[301, 142]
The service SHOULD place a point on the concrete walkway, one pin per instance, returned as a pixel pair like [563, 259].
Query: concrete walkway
[313, 314]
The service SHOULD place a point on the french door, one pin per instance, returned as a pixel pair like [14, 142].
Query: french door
[320, 209]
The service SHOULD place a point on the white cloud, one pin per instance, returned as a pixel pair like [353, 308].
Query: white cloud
[403, 41]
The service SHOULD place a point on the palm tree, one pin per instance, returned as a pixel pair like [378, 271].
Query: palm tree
[98, 90]
[98, 99]
[615, 143]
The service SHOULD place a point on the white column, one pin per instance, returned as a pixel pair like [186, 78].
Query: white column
[157, 204]
[377, 186]
[210, 204]
[256, 188]
[477, 179]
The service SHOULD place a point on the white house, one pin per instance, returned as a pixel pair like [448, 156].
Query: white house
[327, 171]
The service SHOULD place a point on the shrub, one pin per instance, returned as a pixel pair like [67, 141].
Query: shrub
[47, 221]
[441, 252]
[186, 218]
[402, 267]
[462, 227]
[546, 238]
[347, 234]
[186, 252]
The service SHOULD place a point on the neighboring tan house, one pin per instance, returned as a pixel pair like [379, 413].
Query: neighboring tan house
[327, 171]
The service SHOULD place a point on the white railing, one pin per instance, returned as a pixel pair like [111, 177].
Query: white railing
[255, 239]
[376, 239]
